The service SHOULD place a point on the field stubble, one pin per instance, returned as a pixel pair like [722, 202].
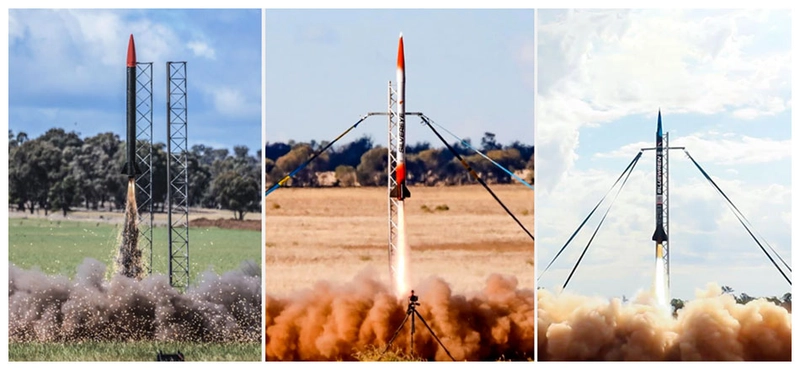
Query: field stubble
[333, 234]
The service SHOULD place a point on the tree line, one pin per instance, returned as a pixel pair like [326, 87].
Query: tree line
[59, 170]
[784, 301]
[361, 163]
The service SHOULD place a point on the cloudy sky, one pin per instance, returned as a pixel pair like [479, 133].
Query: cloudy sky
[67, 69]
[722, 82]
[471, 71]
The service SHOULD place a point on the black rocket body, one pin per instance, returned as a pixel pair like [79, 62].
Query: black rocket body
[659, 235]
[130, 167]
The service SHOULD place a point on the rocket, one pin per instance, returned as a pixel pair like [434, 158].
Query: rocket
[130, 168]
[659, 236]
[400, 191]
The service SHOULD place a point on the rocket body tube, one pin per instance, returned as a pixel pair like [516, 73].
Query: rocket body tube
[400, 191]
[659, 235]
[130, 167]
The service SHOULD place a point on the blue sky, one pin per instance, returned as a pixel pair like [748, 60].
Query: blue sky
[471, 71]
[722, 82]
[67, 69]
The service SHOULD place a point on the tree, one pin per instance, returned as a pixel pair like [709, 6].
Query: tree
[743, 298]
[525, 151]
[488, 142]
[199, 180]
[677, 304]
[418, 147]
[237, 193]
[64, 194]
[297, 156]
[529, 166]
[350, 154]
[372, 169]
[510, 159]
[276, 150]
[346, 175]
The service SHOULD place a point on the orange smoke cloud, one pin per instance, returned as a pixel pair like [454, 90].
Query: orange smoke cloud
[711, 327]
[334, 322]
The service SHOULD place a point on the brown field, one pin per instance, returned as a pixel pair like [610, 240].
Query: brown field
[335, 233]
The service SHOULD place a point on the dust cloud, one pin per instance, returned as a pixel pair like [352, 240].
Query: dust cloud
[711, 327]
[220, 308]
[336, 321]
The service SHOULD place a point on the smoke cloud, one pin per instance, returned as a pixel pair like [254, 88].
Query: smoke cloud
[55, 309]
[711, 327]
[334, 322]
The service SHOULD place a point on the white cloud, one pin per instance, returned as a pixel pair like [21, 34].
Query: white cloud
[233, 102]
[718, 148]
[202, 49]
[598, 66]
[91, 42]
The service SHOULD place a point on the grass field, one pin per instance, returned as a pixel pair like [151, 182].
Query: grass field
[57, 247]
[135, 351]
[458, 233]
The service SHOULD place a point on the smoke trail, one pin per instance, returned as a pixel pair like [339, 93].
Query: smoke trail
[129, 258]
[711, 327]
[401, 269]
[45, 308]
[334, 322]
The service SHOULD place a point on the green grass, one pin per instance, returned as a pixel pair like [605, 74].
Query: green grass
[134, 351]
[58, 247]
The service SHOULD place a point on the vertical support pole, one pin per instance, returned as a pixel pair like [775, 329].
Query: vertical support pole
[144, 157]
[177, 174]
[391, 169]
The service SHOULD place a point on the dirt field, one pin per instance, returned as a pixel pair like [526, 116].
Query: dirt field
[333, 234]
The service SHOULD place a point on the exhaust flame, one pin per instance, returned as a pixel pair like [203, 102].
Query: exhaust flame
[660, 284]
[401, 278]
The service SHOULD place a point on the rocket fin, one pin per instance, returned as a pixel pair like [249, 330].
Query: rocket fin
[659, 235]
[126, 170]
[396, 194]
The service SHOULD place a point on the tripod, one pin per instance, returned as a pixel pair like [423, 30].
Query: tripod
[413, 302]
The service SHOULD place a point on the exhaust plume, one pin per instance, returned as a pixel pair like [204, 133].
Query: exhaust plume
[335, 322]
[712, 327]
[401, 261]
[129, 257]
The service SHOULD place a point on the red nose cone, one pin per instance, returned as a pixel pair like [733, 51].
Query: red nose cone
[131, 53]
[401, 59]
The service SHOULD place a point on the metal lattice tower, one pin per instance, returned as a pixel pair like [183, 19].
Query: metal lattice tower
[391, 167]
[666, 244]
[177, 175]
[144, 157]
